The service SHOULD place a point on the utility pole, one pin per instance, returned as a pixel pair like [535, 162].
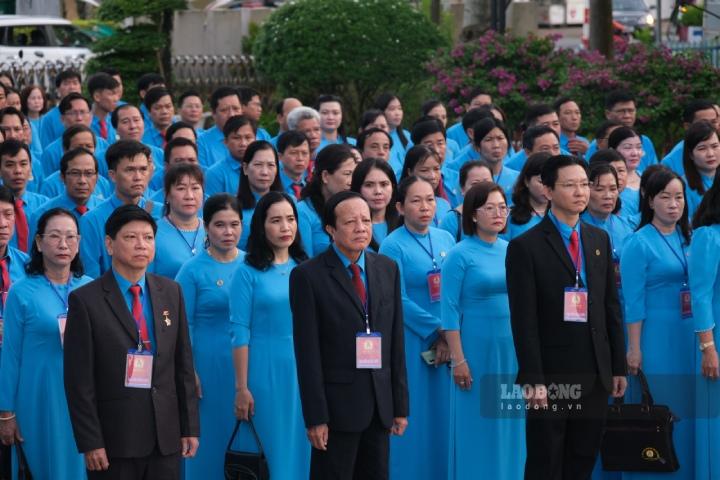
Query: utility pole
[601, 34]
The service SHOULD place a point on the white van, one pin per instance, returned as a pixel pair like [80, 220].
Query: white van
[31, 38]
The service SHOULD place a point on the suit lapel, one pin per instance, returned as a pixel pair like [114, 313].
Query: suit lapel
[342, 277]
[556, 242]
[116, 301]
[159, 304]
[591, 252]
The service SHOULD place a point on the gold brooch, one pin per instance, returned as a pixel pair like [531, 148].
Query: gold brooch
[219, 283]
[166, 314]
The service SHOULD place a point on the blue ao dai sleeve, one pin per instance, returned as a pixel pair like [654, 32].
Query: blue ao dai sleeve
[703, 264]
[451, 284]
[633, 271]
[15, 316]
[186, 277]
[242, 288]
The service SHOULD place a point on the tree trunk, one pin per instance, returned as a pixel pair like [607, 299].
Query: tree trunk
[601, 30]
[70, 8]
[435, 11]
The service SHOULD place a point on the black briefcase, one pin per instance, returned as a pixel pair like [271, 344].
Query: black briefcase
[245, 465]
[639, 437]
[23, 468]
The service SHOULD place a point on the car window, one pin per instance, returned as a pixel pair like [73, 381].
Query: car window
[27, 36]
[629, 5]
[69, 36]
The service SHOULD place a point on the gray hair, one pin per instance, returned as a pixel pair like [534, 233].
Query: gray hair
[299, 114]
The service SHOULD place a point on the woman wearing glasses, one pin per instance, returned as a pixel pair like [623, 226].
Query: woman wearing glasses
[475, 315]
[33, 409]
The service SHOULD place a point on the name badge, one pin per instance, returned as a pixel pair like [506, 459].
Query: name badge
[138, 369]
[62, 321]
[616, 269]
[433, 281]
[685, 303]
[576, 305]
[368, 350]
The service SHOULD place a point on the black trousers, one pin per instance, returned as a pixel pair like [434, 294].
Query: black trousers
[153, 467]
[563, 441]
[5, 462]
[353, 455]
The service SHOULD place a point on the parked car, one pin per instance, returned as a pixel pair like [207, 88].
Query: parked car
[31, 38]
[633, 14]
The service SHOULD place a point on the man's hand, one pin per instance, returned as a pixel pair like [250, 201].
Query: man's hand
[198, 386]
[399, 426]
[318, 436]
[189, 446]
[539, 399]
[96, 460]
[577, 146]
[619, 386]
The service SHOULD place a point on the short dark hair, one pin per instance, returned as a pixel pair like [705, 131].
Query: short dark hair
[124, 149]
[246, 94]
[125, 214]
[428, 105]
[424, 127]
[482, 129]
[188, 94]
[176, 143]
[474, 115]
[260, 254]
[115, 115]
[329, 215]
[620, 134]
[606, 125]
[71, 155]
[696, 105]
[154, 95]
[5, 111]
[172, 129]
[477, 91]
[12, 147]
[618, 96]
[101, 81]
[66, 75]
[217, 203]
[66, 103]
[235, 123]
[147, 79]
[415, 155]
[6, 195]
[475, 198]
[70, 132]
[112, 71]
[174, 173]
[552, 165]
[291, 138]
[534, 112]
[467, 166]
[655, 184]
[562, 101]
[365, 134]
[220, 93]
[36, 265]
[532, 134]
[606, 155]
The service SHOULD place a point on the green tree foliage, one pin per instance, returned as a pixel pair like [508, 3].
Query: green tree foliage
[353, 48]
[142, 47]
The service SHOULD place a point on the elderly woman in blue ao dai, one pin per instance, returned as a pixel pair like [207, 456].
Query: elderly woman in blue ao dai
[205, 280]
[701, 157]
[33, 409]
[332, 174]
[471, 173]
[181, 234]
[375, 181]
[529, 200]
[261, 330]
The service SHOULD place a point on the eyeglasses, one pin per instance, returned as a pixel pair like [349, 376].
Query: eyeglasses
[77, 113]
[56, 237]
[80, 173]
[574, 186]
[624, 111]
[490, 210]
[11, 129]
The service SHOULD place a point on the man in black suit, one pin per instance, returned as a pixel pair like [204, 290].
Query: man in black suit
[567, 328]
[348, 333]
[129, 375]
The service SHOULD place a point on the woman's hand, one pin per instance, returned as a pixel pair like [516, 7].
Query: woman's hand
[709, 363]
[9, 431]
[442, 351]
[244, 404]
[634, 360]
[462, 376]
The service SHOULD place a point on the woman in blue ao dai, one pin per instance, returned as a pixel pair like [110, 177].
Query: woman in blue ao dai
[420, 251]
[262, 338]
[374, 179]
[529, 200]
[475, 315]
[701, 157]
[472, 173]
[205, 280]
[661, 340]
[33, 409]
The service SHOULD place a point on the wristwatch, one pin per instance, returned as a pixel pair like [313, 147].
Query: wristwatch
[705, 345]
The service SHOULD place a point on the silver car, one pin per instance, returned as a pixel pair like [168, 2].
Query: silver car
[31, 38]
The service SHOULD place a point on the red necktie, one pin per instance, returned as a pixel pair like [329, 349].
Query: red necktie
[358, 283]
[81, 209]
[103, 128]
[139, 316]
[21, 226]
[297, 188]
[5, 279]
[574, 249]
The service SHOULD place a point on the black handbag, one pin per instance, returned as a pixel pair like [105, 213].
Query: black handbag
[639, 437]
[245, 465]
[23, 468]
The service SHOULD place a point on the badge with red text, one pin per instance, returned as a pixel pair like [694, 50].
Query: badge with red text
[138, 369]
[62, 321]
[576, 302]
[433, 281]
[685, 303]
[368, 350]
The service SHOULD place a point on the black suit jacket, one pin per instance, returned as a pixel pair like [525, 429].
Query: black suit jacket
[327, 315]
[549, 349]
[128, 422]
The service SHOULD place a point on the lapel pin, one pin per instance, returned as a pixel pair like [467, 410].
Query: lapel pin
[597, 252]
[219, 283]
[166, 314]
